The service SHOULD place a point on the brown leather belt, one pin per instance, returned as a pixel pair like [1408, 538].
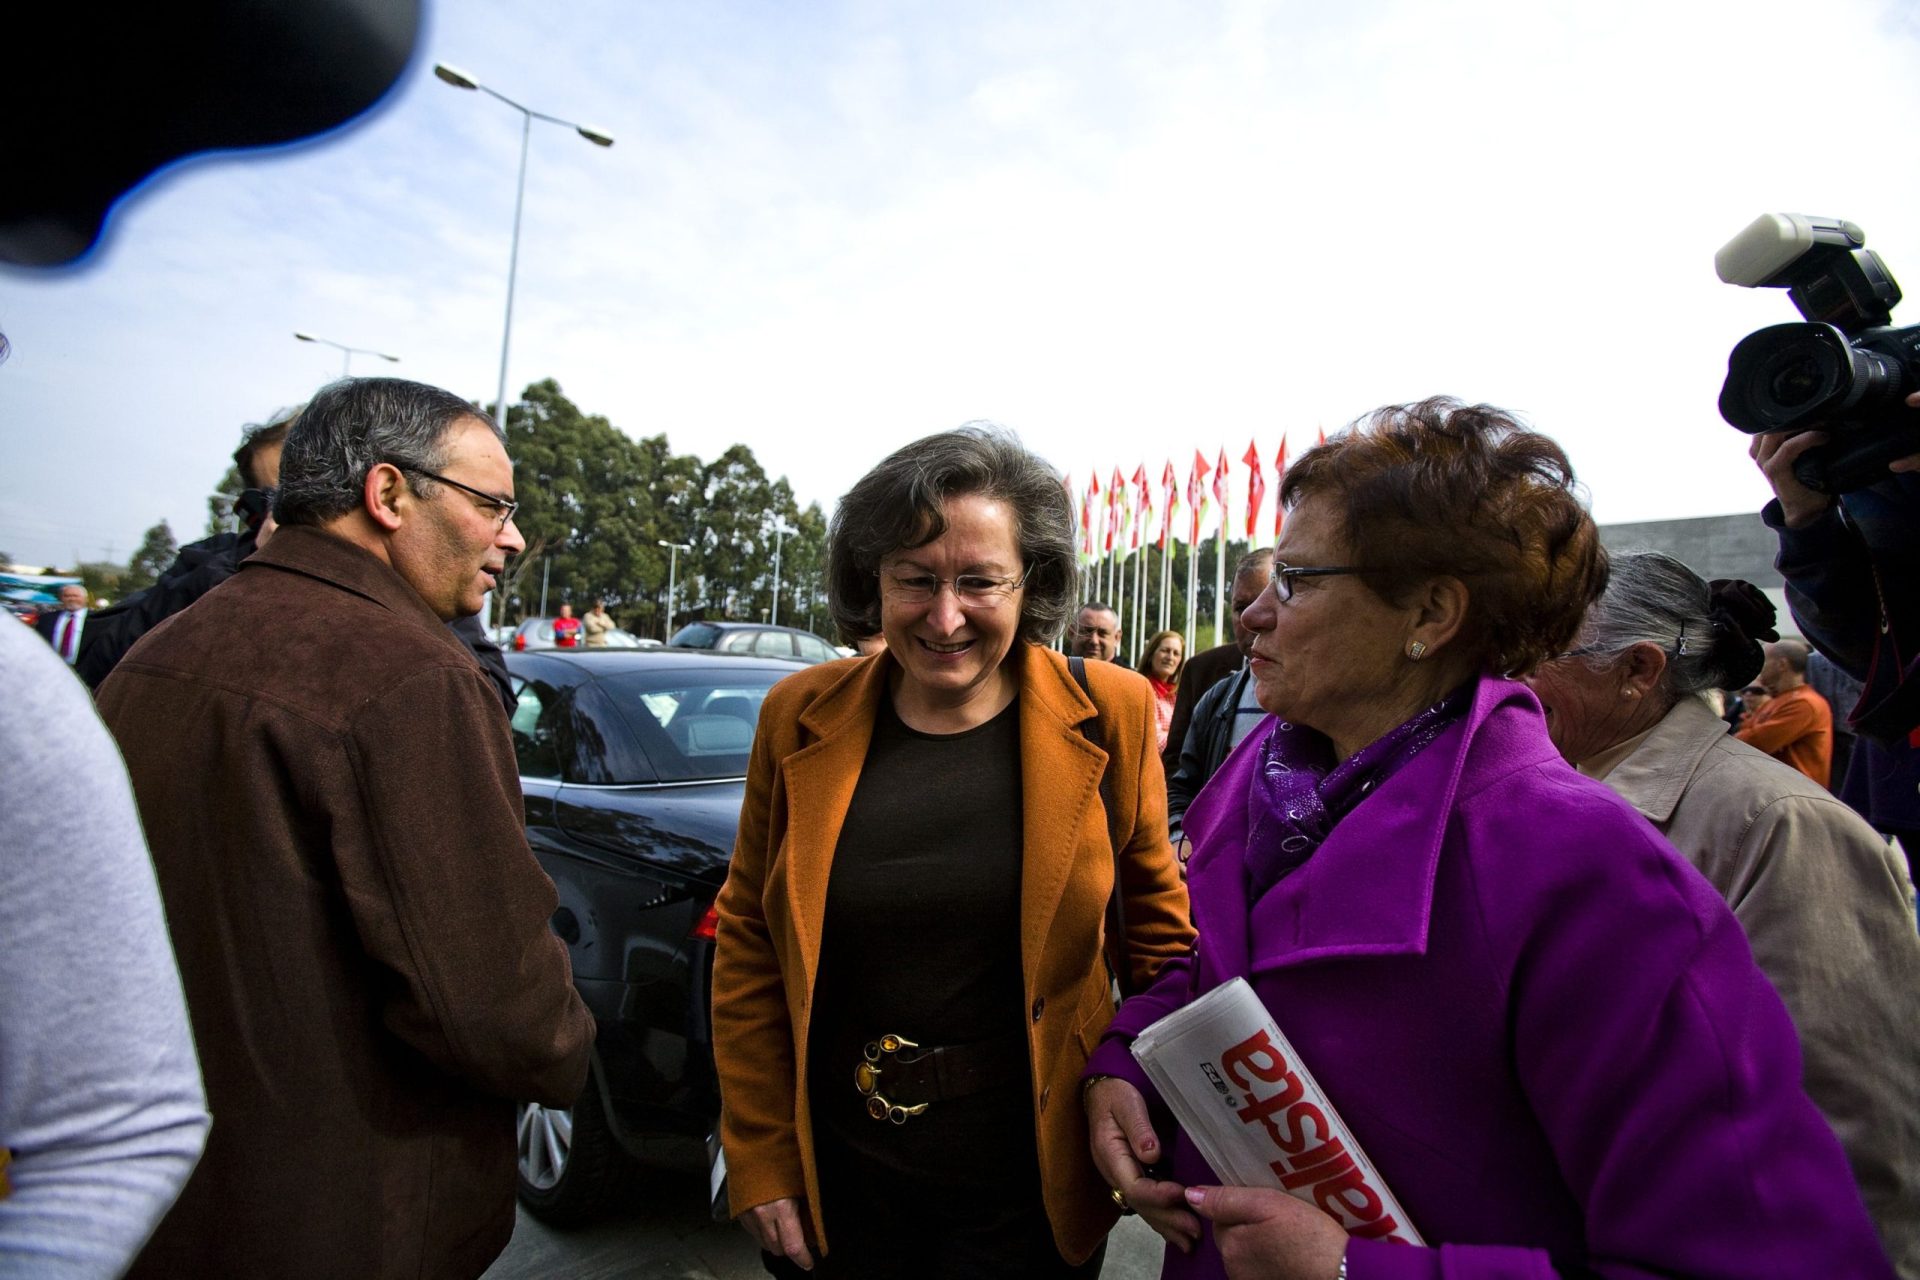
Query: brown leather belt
[907, 1070]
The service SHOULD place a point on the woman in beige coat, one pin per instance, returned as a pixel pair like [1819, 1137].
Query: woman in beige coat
[1826, 904]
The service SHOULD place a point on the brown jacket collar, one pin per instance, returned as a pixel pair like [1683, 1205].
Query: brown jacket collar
[317, 554]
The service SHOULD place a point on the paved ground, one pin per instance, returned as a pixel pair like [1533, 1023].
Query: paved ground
[668, 1236]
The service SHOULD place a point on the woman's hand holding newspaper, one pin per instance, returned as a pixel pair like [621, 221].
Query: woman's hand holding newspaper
[1266, 1234]
[1123, 1142]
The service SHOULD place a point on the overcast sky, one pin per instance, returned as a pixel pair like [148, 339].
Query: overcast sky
[1124, 230]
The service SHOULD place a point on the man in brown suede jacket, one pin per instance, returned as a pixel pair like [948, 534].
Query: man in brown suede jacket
[328, 786]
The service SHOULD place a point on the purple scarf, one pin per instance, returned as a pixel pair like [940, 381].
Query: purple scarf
[1298, 792]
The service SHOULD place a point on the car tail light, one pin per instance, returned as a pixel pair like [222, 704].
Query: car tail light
[519, 641]
[709, 925]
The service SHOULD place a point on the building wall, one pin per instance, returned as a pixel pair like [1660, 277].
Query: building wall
[1735, 546]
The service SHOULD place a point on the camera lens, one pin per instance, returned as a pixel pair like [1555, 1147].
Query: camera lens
[1786, 377]
[1799, 378]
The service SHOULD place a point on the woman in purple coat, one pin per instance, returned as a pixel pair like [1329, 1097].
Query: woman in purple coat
[1541, 1024]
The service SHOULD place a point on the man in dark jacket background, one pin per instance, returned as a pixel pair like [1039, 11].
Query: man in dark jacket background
[1225, 710]
[329, 789]
[200, 566]
[1209, 667]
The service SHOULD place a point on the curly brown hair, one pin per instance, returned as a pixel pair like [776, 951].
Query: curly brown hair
[1441, 488]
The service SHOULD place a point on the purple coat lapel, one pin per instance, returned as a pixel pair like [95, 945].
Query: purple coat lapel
[1369, 889]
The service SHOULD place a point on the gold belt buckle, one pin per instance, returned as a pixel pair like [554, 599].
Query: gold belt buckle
[866, 1078]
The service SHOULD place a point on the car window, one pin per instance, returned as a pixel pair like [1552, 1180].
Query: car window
[689, 726]
[695, 635]
[737, 642]
[604, 749]
[539, 729]
[814, 649]
[773, 644]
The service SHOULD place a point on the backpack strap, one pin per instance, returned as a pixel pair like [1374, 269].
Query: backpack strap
[1116, 949]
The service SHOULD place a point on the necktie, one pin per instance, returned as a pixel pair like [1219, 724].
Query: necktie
[66, 636]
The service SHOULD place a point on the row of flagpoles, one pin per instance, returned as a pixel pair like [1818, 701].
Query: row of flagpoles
[1117, 525]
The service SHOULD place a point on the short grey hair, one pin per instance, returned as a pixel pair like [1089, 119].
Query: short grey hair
[1260, 558]
[897, 507]
[352, 426]
[1652, 598]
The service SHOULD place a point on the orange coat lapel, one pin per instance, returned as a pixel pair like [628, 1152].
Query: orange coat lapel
[819, 780]
[1060, 793]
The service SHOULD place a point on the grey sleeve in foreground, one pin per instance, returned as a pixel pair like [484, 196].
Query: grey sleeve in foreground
[100, 1095]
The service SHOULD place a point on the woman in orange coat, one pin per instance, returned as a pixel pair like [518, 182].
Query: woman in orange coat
[910, 971]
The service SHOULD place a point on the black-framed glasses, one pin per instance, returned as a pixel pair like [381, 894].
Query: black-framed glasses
[503, 508]
[981, 590]
[1284, 574]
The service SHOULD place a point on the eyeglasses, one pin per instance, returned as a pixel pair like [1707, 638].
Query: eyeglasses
[1284, 574]
[977, 589]
[504, 508]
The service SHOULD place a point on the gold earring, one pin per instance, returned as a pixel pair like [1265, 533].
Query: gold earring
[1417, 650]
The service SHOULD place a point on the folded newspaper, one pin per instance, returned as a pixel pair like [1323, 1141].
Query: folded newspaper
[1259, 1118]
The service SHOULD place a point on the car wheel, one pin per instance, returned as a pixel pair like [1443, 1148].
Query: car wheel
[571, 1168]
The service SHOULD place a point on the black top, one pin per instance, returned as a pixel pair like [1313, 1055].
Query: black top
[922, 939]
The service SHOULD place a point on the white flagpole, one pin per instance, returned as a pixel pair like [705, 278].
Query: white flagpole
[1140, 598]
[1166, 579]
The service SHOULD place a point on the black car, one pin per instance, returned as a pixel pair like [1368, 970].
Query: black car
[632, 762]
[755, 637]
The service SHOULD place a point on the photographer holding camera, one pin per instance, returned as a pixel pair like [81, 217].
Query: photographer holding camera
[1852, 566]
[1831, 404]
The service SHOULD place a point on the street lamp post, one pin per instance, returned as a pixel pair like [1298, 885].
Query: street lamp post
[461, 80]
[673, 564]
[346, 364]
[779, 528]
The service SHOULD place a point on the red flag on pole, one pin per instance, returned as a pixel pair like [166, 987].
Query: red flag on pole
[1197, 495]
[1086, 515]
[1220, 479]
[1116, 505]
[1170, 485]
[1256, 487]
[1279, 475]
[1144, 513]
[1323, 435]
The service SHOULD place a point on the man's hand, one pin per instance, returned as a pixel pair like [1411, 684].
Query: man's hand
[1123, 1142]
[778, 1227]
[1266, 1234]
[1800, 505]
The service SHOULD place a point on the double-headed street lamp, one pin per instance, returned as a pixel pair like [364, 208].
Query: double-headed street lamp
[461, 80]
[673, 564]
[346, 365]
[779, 528]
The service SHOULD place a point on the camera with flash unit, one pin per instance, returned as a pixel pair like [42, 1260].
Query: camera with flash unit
[1846, 371]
